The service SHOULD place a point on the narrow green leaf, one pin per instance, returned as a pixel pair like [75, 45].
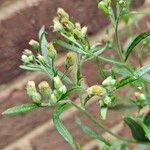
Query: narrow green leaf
[138, 39]
[128, 43]
[43, 44]
[124, 81]
[146, 129]
[147, 119]
[137, 131]
[41, 31]
[68, 46]
[99, 49]
[30, 67]
[91, 132]
[141, 71]
[59, 125]
[20, 108]
[64, 77]
[121, 71]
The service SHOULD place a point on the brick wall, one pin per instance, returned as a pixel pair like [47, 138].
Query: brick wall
[20, 21]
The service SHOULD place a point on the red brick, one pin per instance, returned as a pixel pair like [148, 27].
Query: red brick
[24, 25]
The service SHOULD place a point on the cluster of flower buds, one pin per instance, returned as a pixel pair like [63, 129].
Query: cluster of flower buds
[45, 91]
[124, 6]
[99, 91]
[27, 56]
[63, 24]
[104, 6]
[140, 99]
[52, 53]
[105, 99]
[35, 44]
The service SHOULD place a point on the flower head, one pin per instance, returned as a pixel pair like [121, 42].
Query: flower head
[52, 53]
[96, 90]
[61, 13]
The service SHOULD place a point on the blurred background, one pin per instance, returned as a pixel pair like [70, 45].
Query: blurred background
[20, 21]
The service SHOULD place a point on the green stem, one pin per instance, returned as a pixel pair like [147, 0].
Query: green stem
[117, 39]
[99, 124]
[90, 117]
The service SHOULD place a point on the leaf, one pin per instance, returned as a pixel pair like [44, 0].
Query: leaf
[141, 71]
[64, 77]
[91, 132]
[68, 46]
[128, 43]
[59, 126]
[43, 42]
[99, 49]
[137, 131]
[124, 81]
[30, 67]
[138, 39]
[20, 108]
[146, 129]
[147, 119]
[121, 71]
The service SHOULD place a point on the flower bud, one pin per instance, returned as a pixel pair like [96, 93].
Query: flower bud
[45, 89]
[67, 24]
[96, 90]
[61, 13]
[83, 31]
[31, 88]
[31, 58]
[77, 25]
[77, 32]
[107, 100]
[70, 59]
[57, 82]
[52, 53]
[62, 89]
[27, 52]
[40, 58]
[36, 97]
[121, 2]
[57, 25]
[102, 5]
[35, 44]
[25, 59]
[101, 103]
[53, 98]
[109, 81]
[140, 96]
